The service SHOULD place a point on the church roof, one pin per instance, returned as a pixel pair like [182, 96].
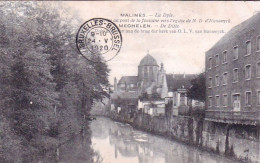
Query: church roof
[247, 25]
[148, 60]
[176, 81]
[128, 79]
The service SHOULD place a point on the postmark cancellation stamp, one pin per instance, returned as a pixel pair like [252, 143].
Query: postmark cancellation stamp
[99, 36]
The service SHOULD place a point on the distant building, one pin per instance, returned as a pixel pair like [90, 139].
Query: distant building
[233, 75]
[150, 79]
[178, 85]
[153, 82]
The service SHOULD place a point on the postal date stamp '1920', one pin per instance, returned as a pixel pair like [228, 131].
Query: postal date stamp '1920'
[99, 36]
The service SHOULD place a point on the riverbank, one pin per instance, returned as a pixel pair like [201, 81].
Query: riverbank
[119, 142]
[195, 132]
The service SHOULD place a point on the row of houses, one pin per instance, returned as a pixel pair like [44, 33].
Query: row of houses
[232, 72]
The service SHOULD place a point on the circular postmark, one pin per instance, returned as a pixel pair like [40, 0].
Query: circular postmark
[99, 36]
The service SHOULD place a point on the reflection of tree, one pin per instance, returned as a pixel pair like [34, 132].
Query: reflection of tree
[122, 137]
[100, 128]
[147, 148]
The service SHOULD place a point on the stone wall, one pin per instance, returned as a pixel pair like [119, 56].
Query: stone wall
[238, 141]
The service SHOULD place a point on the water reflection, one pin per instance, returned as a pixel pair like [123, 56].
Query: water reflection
[117, 142]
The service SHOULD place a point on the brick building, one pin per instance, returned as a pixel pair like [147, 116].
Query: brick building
[233, 75]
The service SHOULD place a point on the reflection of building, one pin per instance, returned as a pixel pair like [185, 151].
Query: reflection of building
[233, 75]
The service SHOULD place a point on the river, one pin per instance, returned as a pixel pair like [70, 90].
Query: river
[120, 143]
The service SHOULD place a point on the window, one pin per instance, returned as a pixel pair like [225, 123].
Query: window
[182, 99]
[210, 82]
[210, 63]
[217, 101]
[248, 48]
[175, 99]
[132, 85]
[235, 53]
[217, 59]
[217, 80]
[236, 102]
[151, 71]
[248, 98]
[210, 101]
[248, 72]
[225, 78]
[258, 43]
[258, 97]
[225, 100]
[224, 59]
[235, 75]
[258, 69]
[145, 71]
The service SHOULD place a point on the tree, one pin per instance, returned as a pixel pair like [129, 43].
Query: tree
[198, 88]
[47, 87]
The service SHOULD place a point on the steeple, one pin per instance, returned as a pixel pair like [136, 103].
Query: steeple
[162, 66]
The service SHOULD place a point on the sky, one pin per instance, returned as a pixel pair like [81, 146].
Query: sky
[180, 53]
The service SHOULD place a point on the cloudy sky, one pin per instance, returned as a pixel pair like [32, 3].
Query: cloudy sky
[180, 53]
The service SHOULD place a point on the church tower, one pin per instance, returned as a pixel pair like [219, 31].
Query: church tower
[148, 71]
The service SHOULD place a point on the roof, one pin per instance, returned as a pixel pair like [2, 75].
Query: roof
[128, 79]
[148, 60]
[176, 81]
[125, 95]
[239, 29]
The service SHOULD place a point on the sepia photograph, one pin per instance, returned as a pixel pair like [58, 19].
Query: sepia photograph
[129, 82]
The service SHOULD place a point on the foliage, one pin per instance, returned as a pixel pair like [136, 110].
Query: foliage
[47, 87]
[198, 89]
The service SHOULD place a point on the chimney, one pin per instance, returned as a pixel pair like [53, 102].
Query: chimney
[115, 84]
[184, 75]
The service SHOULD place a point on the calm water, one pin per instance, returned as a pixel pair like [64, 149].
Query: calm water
[120, 143]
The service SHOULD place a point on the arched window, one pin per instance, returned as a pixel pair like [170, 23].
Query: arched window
[145, 72]
[151, 71]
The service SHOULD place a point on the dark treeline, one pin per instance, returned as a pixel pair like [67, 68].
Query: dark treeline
[46, 87]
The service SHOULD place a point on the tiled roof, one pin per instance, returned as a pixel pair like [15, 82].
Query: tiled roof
[247, 25]
[176, 81]
[128, 79]
[148, 60]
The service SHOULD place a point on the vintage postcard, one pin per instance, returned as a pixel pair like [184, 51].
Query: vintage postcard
[129, 82]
